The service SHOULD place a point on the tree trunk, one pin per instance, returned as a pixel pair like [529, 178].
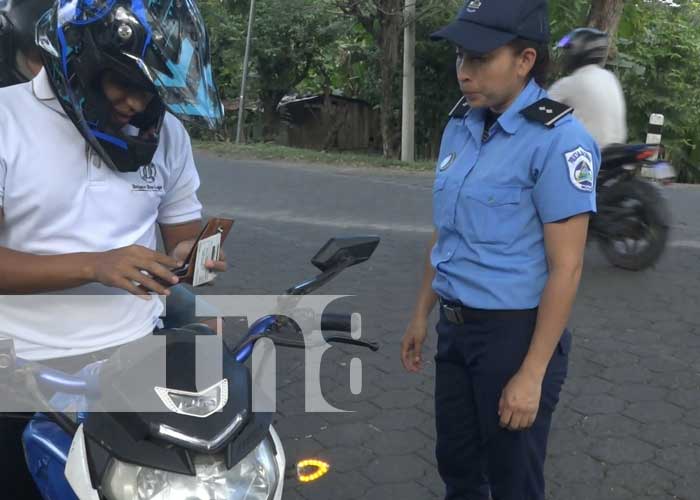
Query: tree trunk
[605, 15]
[270, 100]
[389, 41]
[383, 20]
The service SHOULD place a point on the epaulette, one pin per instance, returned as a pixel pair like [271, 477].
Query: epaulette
[461, 109]
[547, 112]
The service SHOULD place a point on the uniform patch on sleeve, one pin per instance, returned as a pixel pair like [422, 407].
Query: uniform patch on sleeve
[580, 164]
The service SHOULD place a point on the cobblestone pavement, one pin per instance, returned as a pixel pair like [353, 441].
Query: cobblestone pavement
[628, 424]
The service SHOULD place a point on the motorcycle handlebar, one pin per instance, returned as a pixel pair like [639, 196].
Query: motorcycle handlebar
[343, 323]
[336, 322]
[58, 381]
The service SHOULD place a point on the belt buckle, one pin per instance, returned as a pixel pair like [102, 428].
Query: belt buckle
[453, 314]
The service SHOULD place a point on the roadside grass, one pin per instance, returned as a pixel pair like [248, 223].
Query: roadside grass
[298, 155]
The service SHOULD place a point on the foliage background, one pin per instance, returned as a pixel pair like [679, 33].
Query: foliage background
[317, 46]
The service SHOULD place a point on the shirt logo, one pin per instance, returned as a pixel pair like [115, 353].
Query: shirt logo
[580, 164]
[447, 162]
[149, 175]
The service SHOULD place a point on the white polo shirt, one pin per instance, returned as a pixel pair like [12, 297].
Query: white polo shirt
[599, 102]
[58, 197]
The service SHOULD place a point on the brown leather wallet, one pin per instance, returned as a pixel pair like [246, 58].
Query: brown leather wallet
[215, 225]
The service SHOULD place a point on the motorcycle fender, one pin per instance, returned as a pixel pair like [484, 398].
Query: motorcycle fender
[77, 469]
[281, 462]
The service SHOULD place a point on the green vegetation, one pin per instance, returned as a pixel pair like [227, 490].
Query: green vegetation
[353, 48]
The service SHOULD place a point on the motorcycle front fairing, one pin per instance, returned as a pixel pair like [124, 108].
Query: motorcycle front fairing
[122, 439]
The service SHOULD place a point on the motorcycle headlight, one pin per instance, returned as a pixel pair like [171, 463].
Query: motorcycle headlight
[253, 478]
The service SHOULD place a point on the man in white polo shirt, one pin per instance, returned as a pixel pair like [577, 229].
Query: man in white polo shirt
[92, 162]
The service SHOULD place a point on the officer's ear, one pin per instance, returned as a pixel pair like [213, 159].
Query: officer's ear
[525, 61]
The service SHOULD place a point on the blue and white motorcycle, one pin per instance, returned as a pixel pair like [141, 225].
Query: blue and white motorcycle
[207, 445]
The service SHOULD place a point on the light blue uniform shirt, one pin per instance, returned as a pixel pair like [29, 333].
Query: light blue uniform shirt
[491, 201]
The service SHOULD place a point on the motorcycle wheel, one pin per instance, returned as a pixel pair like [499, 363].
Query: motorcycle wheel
[640, 239]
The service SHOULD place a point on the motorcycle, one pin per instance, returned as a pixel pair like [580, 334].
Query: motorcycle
[207, 445]
[633, 220]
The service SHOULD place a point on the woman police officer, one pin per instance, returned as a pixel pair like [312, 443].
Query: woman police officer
[514, 188]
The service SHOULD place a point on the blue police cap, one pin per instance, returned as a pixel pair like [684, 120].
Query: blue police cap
[485, 25]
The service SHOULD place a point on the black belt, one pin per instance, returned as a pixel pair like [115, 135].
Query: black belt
[459, 314]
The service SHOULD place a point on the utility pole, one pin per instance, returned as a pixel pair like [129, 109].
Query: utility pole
[241, 103]
[408, 114]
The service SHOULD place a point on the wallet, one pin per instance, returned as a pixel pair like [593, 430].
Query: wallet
[216, 225]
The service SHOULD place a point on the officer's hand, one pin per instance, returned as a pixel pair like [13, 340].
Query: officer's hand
[182, 250]
[520, 401]
[133, 269]
[412, 345]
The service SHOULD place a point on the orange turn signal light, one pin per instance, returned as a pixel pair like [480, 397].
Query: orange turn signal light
[311, 470]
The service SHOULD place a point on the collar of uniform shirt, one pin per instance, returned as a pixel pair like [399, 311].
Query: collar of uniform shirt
[511, 120]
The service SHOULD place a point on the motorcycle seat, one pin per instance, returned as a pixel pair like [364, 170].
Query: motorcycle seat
[616, 155]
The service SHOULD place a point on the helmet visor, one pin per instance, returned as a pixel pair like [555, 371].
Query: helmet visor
[167, 41]
[176, 59]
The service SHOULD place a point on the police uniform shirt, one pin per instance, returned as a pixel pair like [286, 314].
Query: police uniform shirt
[58, 198]
[494, 191]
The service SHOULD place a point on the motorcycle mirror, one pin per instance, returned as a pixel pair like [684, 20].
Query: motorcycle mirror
[340, 253]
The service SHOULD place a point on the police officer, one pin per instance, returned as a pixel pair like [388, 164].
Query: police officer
[514, 187]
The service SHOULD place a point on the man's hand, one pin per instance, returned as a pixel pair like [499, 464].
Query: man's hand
[520, 401]
[412, 345]
[182, 250]
[133, 269]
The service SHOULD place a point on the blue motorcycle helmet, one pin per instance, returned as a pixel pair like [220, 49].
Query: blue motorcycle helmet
[159, 46]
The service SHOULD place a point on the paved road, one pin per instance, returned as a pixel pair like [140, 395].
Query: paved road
[628, 425]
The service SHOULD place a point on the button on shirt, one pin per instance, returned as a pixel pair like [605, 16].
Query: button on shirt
[492, 197]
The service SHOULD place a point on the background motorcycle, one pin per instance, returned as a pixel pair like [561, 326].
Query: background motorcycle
[633, 219]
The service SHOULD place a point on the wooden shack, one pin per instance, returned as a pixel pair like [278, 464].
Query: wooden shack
[330, 122]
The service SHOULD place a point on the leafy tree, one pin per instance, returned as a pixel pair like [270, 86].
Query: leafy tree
[659, 64]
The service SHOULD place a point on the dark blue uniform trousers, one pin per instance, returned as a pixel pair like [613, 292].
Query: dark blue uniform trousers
[474, 363]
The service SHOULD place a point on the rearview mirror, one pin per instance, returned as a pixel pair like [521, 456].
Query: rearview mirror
[345, 252]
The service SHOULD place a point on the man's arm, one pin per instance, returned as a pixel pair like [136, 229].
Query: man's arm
[24, 273]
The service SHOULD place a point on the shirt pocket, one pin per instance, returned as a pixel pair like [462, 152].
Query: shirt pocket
[439, 200]
[489, 212]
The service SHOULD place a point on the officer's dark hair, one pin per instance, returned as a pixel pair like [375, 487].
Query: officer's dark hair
[540, 71]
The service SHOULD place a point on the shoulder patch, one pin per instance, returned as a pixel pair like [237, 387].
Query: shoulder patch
[580, 165]
[461, 109]
[547, 112]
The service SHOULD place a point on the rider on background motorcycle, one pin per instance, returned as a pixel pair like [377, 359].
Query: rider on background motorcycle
[594, 92]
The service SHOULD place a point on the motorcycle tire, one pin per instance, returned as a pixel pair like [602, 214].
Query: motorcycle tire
[653, 216]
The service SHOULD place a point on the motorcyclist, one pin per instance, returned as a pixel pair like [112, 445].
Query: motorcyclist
[594, 92]
[94, 163]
